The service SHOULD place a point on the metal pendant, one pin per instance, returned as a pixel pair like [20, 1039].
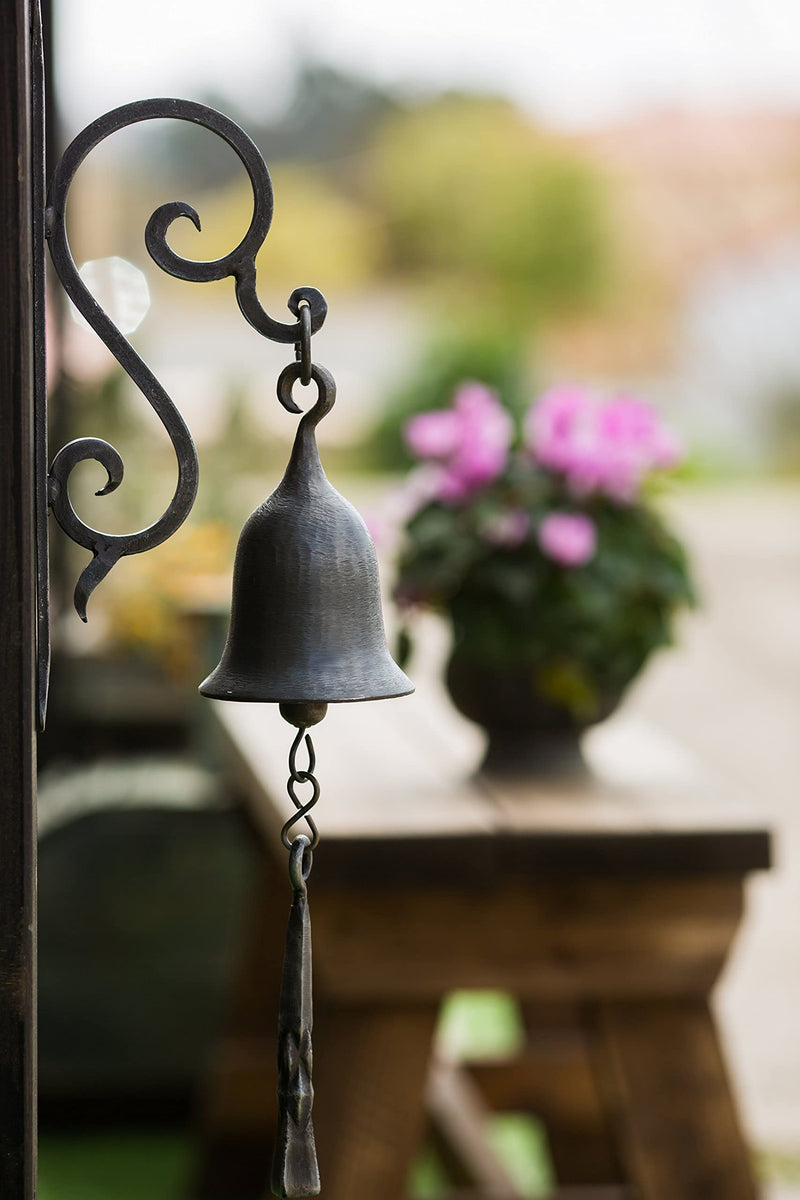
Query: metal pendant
[294, 1167]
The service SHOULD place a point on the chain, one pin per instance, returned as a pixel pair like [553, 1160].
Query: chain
[305, 776]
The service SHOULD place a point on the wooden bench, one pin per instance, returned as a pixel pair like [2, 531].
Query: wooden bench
[607, 906]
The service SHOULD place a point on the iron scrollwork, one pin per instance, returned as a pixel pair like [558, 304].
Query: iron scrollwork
[108, 548]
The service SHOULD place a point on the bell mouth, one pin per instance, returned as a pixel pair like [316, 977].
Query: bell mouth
[222, 685]
[213, 691]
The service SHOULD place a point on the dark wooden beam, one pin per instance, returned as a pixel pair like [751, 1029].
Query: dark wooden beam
[569, 1193]
[17, 613]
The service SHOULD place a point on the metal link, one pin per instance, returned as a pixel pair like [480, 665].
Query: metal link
[305, 776]
[302, 349]
[301, 857]
[312, 757]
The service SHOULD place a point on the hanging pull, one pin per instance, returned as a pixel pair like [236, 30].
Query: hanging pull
[294, 1167]
[295, 1172]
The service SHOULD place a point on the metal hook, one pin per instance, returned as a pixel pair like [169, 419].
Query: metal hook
[326, 387]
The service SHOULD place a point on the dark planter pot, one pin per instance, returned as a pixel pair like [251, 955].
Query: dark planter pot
[528, 733]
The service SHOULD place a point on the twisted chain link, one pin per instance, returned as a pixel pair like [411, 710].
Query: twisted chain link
[297, 777]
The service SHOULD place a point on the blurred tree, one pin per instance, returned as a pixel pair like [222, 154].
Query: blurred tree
[470, 189]
[330, 115]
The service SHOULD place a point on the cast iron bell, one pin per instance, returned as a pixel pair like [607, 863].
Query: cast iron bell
[306, 622]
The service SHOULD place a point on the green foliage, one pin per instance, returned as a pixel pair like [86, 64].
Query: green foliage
[584, 632]
[471, 190]
[488, 354]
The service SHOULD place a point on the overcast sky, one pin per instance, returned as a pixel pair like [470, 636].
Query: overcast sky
[572, 62]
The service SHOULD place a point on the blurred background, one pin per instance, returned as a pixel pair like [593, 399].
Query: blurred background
[522, 192]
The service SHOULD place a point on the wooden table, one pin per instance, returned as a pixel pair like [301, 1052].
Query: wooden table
[607, 906]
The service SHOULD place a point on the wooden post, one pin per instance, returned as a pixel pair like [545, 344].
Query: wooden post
[17, 614]
[660, 1065]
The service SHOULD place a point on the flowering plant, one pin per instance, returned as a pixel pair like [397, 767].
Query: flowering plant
[542, 544]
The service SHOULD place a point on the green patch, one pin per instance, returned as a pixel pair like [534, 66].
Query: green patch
[114, 1166]
[778, 1166]
[480, 1024]
[520, 1144]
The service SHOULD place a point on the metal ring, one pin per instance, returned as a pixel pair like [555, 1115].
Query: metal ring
[301, 858]
[303, 347]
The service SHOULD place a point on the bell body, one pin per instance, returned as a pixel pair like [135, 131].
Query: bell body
[306, 619]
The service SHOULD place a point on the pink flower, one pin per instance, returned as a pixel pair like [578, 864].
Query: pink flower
[599, 446]
[635, 442]
[634, 425]
[418, 489]
[471, 441]
[568, 538]
[559, 425]
[433, 434]
[507, 529]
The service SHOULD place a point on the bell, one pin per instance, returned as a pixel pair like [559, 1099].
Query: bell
[306, 624]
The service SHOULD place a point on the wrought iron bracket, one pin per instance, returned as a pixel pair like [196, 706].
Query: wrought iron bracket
[306, 303]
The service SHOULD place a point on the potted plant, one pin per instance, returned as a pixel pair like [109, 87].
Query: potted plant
[542, 546]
